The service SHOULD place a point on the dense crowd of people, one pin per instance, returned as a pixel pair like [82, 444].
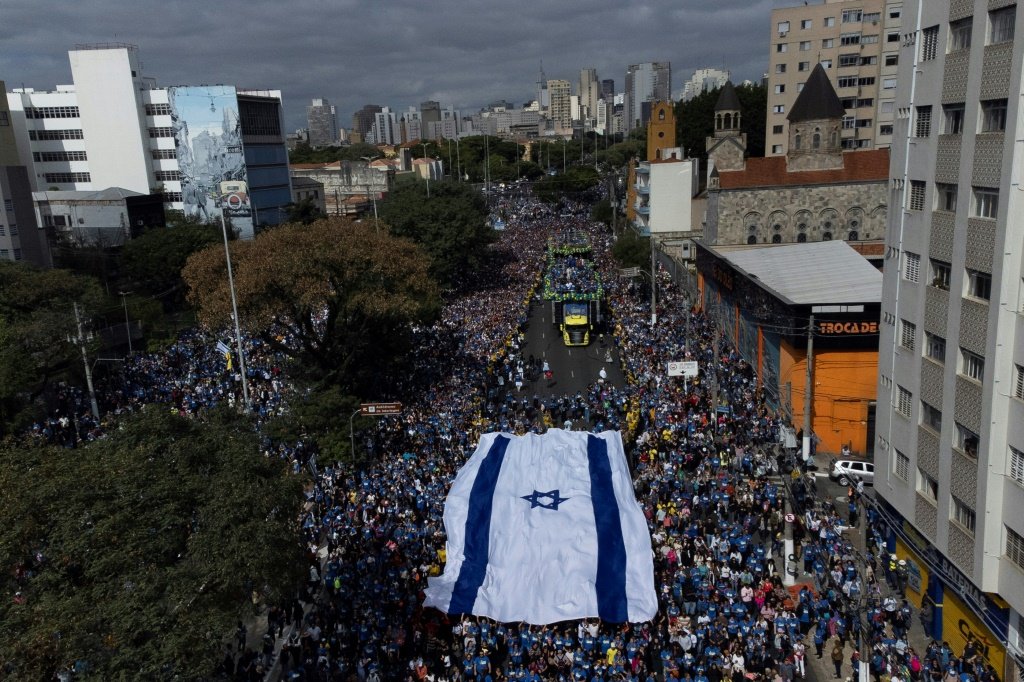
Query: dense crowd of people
[704, 453]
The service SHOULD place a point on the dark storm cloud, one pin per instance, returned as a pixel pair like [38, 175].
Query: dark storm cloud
[390, 52]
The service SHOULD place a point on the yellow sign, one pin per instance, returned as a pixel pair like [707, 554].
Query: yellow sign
[960, 625]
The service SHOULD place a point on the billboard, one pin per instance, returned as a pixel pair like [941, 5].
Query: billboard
[208, 138]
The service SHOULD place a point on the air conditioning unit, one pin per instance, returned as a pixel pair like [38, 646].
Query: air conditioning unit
[783, 34]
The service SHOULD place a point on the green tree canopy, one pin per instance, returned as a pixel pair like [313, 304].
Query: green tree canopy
[352, 152]
[36, 316]
[152, 262]
[574, 183]
[344, 292]
[450, 226]
[138, 553]
[695, 120]
[632, 250]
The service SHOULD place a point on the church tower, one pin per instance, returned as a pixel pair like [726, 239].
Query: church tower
[727, 147]
[661, 130]
[814, 126]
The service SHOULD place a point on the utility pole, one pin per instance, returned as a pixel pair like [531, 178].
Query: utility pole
[654, 285]
[127, 324]
[234, 312]
[714, 369]
[79, 339]
[808, 389]
[429, 168]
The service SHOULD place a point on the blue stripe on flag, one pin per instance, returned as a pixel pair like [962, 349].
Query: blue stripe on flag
[478, 529]
[611, 548]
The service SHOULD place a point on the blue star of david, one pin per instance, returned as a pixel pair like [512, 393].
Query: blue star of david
[536, 497]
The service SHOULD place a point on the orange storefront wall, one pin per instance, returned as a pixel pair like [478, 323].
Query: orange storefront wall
[845, 384]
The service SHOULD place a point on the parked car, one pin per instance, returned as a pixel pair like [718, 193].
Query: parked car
[849, 471]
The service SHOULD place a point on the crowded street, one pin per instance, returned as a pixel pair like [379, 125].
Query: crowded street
[705, 456]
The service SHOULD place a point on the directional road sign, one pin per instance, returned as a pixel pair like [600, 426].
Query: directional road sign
[379, 409]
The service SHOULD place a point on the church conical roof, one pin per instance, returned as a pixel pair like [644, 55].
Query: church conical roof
[817, 100]
[728, 100]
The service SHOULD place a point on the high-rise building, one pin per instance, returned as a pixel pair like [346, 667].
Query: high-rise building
[560, 110]
[193, 144]
[645, 83]
[608, 88]
[362, 120]
[703, 80]
[590, 93]
[20, 237]
[322, 121]
[857, 42]
[386, 128]
[430, 112]
[949, 452]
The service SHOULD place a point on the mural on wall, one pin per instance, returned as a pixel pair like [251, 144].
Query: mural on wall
[770, 370]
[210, 158]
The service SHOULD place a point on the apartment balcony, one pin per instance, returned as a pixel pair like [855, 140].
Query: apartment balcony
[644, 168]
[643, 189]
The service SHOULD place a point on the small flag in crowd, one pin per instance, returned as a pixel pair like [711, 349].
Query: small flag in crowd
[545, 528]
[223, 348]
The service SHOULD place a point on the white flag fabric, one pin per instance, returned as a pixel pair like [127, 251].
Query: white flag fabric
[545, 528]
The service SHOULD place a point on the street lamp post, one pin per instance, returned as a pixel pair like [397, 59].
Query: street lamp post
[127, 324]
[429, 163]
[372, 195]
[563, 156]
[234, 311]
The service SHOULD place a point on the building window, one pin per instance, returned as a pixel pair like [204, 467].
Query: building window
[828, 43]
[51, 112]
[776, 149]
[849, 39]
[953, 119]
[962, 514]
[826, 64]
[8, 204]
[870, 40]
[923, 121]
[931, 417]
[929, 43]
[67, 177]
[1015, 547]
[911, 267]
[904, 401]
[966, 441]
[159, 154]
[885, 129]
[917, 191]
[908, 334]
[167, 176]
[901, 466]
[803, 66]
[1001, 24]
[852, 16]
[972, 365]
[940, 274]
[1018, 382]
[993, 116]
[829, 22]
[805, 45]
[1016, 465]
[59, 156]
[892, 37]
[158, 110]
[892, 60]
[780, 89]
[5, 119]
[927, 486]
[849, 60]
[986, 202]
[70, 134]
[780, 47]
[888, 83]
[945, 197]
[171, 197]
[14, 229]
[806, 24]
[783, 27]
[846, 82]
[979, 285]
[777, 130]
[780, 68]
[960, 34]
[161, 132]
[779, 109]
[866, 101]
[935, 347]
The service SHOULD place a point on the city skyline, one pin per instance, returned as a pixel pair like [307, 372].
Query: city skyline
[399, 54]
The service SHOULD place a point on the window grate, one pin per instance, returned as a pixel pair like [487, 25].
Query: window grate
[912, 267]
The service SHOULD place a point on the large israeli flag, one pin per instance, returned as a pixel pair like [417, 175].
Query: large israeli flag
[545, 528]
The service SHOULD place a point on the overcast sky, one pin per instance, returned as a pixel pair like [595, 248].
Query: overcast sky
[390, 52]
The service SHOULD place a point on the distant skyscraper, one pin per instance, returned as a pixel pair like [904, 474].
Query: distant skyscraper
[590, 92]
[322, 120]
[430, 112]
[645, 83]
[704, 80]
[362, 120]
[386, 128]
[608, 87]
[560, 110]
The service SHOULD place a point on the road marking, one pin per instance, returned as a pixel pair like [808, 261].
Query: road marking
[572, 374]
[542, 335]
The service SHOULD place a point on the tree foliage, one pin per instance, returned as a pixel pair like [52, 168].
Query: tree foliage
[336, 295]
[36, 316]
[451, 226]
[153, 260]
[632, 250]
[352, 152]
[575, 183]
[137, 555]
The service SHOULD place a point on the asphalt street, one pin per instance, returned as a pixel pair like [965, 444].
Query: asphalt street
[573, 368]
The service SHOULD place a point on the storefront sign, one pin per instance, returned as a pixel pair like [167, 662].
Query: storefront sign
[842, 328]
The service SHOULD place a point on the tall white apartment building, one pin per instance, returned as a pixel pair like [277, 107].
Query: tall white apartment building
[949, 457]
[646, 83]
[115, 128]
[858, 42]
[703, 80]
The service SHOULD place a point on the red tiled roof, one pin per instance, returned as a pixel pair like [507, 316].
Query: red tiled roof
[770, 171]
